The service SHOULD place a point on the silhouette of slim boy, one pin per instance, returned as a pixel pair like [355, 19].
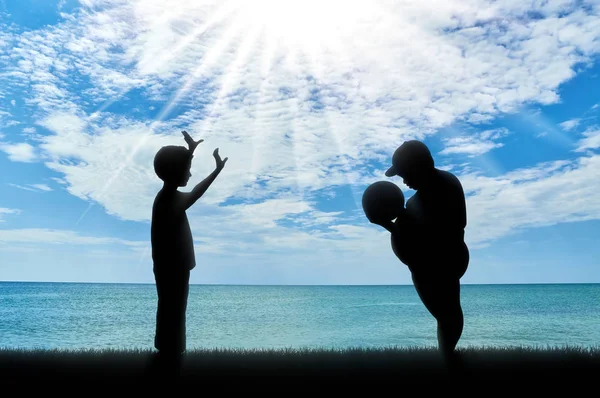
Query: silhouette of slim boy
[172, 244]
[430, 237]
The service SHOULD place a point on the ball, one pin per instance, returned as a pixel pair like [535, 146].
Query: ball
[382, 201]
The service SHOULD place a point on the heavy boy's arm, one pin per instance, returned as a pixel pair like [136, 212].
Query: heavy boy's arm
[389, 225]
[186, 200]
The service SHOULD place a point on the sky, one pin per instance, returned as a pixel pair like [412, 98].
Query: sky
[308, 100]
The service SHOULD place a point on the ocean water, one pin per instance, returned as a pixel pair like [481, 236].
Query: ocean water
[71, 315]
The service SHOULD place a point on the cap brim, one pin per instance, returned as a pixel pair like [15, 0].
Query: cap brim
[391, 172]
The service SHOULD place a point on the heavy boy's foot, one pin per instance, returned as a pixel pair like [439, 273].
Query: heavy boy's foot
[454, 364]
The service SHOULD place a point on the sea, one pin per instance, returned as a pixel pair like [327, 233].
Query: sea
[122, 316]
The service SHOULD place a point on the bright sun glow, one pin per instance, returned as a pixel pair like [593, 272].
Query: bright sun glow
[305, 24]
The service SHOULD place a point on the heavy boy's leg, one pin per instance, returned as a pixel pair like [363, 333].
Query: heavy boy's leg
[441, 297]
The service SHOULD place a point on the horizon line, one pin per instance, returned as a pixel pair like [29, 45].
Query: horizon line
[302, 285]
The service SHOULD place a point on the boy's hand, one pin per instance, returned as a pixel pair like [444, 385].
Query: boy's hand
[220, 163]
[191, 143]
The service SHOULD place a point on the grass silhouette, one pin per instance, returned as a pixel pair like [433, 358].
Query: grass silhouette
[293, 369]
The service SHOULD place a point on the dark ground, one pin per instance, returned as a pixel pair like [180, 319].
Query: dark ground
[483, 371]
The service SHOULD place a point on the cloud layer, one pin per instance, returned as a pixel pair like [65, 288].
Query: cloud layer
[298, 122]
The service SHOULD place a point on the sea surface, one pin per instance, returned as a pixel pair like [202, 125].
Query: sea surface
[78, 315]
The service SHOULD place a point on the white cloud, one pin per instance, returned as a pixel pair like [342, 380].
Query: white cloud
[491, 56]
[570, 124]
[60, 237]
[23, 187]
[266, 213]
[6, 211]
[591, 140]
[11, 123]
[59, 180]
[21, 152]
[292, 123]
[41, 187]
[547, 194]
[32, 187]
[475, 144]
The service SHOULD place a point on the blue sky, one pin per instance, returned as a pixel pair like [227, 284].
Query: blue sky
[308, 102]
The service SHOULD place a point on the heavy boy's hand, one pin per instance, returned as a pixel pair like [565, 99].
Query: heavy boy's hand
[191, 143]
[220, 163]
[387, 224]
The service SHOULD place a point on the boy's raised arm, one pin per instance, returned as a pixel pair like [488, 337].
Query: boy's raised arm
[189, 198]
[191, 143]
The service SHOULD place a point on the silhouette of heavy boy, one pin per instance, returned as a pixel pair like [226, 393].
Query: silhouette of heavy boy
[437, 253]
[172, 243]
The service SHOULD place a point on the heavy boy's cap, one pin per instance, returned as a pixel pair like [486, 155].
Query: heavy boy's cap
[410, 153]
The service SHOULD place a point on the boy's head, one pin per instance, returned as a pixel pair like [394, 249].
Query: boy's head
[172, 165]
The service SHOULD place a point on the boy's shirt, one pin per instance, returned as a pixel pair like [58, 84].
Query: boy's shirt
[171, 236]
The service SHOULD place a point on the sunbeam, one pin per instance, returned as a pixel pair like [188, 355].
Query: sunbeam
[258, 137]
[284, 25]
[301, 24]
[554, 133]
[485, 161]
[315, 54]
[233, 70]
[268, 54]
[228, 79]
[212, 56]
[208, 61]
[220, 15]
[224, 11]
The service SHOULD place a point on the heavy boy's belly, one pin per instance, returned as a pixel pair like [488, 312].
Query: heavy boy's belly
[447, 259]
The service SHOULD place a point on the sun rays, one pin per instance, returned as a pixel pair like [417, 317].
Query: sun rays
[308, 99]
[293, 36]
[304, 24]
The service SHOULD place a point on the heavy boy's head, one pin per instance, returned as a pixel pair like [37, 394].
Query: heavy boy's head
[413, 162]
[172, 165]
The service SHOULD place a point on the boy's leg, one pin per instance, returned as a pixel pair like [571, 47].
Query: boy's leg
[172, 289]
[181, 306]
[161, 310]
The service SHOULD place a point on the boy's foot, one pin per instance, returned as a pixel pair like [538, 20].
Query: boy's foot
[165, 364]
